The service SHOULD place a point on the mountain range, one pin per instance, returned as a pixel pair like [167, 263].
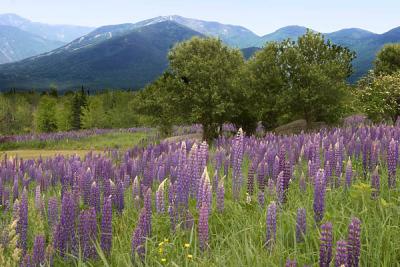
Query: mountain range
[133, 54]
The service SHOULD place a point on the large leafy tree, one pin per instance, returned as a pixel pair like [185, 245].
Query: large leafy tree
[388, 59]
[379, 96]
[303, 79]
[205, 75]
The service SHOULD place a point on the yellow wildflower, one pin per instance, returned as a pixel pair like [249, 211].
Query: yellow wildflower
[187, 245]
[190, 256]
[163, 260]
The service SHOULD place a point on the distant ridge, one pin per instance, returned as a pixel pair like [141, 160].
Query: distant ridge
[131, 55]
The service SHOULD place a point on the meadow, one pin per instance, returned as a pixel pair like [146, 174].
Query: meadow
[326, 198]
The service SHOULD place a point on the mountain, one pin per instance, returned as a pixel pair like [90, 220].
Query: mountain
[16, 44]
[61, 33]
[236, 36]
[129, 60]
[292, 32]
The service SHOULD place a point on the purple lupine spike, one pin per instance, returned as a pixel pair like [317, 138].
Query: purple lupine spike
[119, 196]
[66, 228]
[319, 195]
[15, 189]
[88, 232]
[250, 180]
[16, 210]
[375, 183]
[301, 225]
[341, 254]
[291, 263]
[1, 190]
[275, 168]
[271, 187]
[27, 261]
[136, 192]
[6, 198]
[52, 211]
[280, 188]
[302, 183]
[38, 251]
[139, 235]
[392, 158]
[215, 180]
[38, 199]
[354, 242]
[95, 197]
[349, 173]
[325, 250]
[271, 225]
[203, 226]
[106, 227]
[87, 182]
[148, 208]
[106, 189]
[221, 195]
[22, 225]
[160, 205]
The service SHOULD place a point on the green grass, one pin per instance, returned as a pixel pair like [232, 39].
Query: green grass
[118, 140]
[237, 235]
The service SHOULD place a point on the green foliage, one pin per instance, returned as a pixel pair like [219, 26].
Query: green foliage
[94, 115]
[15, 115]
[160, 101]
[303, 79]
[388, 59]
[45, 117]
[78, 103]
[207, 73]
[379, 96]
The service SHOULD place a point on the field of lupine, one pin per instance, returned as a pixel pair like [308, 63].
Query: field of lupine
[328, 198]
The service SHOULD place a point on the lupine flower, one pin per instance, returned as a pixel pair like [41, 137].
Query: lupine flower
[65, 236]
[95, 197]
[136, 191]
[119, 196]
[392, 158]
[160, 205]
[22, 226]
[15, 188]
[203, 226]
[139, 235]
[301, 225]
[349, 173]
[280, 188]
[341, 253]
[221, 195]
[319, 195]
[52, 211]
[250, 180]
[354, 242]
[88, 232]
[375, 183]
[1, 190]
[325, 250]
[106, 226]
[38, 199]
[291, 263]
[38, 250]
[271, 225]
[148, 208]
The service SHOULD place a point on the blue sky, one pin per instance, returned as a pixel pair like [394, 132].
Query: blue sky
[260, 16]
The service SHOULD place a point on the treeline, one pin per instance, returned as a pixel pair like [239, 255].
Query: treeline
[50, 112]
[209, 83]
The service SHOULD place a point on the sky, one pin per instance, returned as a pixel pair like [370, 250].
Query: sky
[260, 16]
